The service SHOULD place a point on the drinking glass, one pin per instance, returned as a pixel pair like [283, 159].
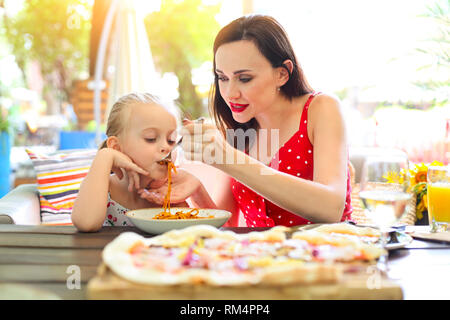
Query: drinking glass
[384, 194]
[438, 196]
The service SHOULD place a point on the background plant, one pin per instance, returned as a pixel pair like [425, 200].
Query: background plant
[4, 122]
[181, 35]
[438, 48]
[54, 34]
[417, 175]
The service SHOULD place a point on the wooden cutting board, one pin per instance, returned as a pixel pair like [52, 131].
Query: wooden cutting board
[107, 285]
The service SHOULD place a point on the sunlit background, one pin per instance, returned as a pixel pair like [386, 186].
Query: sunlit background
[387, 61]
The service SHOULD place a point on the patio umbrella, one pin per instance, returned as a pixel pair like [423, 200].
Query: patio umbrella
[130, 55]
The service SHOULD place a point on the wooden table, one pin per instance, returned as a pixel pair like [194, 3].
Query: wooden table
[49, 257]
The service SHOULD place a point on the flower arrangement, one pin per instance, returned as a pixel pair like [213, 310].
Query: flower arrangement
[418, 186]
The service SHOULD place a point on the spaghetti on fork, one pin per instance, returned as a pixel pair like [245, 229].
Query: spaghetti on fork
[165, 214]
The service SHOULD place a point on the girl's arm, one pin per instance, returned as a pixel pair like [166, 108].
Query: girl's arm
[89, 210]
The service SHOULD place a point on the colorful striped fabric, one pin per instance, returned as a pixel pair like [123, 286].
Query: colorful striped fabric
[59, 176]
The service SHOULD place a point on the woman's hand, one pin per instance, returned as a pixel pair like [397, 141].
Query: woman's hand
[183, 186]
[203, 142]
[121, 161]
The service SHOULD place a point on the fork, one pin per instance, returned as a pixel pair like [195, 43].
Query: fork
[168, 157]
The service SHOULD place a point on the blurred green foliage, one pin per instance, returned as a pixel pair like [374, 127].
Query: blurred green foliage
[181, 37]
[4, 122]
[92, 126]
[438, 47]
[342, 94]
[55, 34]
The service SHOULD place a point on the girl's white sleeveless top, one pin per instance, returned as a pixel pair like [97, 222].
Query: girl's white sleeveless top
[115, 214]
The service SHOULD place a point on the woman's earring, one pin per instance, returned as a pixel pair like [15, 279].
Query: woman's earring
[278, 89]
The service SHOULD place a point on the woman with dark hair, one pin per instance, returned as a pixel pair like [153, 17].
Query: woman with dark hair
[272, 42]
[282, 145]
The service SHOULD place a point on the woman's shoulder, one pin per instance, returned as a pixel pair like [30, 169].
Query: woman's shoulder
[325, 104]
[325, 113]
[324, 100]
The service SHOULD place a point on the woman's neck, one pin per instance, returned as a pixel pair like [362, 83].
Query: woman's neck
[275, 116]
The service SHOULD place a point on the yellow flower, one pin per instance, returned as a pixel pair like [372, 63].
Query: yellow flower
[419, 187]
[436, 163]
[393, 177]
[420, 173]
[418, 183]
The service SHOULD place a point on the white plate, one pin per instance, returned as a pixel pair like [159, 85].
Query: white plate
[143, 219]
[403, 238]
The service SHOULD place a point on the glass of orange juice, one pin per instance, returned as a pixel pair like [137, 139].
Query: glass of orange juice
[438, 194]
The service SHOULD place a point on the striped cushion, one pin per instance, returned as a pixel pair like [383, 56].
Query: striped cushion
[59, 176]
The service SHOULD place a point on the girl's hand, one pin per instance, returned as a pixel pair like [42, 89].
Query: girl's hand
[183, 186]
[121, 161]
[203, 142]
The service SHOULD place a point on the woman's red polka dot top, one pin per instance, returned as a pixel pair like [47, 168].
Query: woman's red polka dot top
[295, 157]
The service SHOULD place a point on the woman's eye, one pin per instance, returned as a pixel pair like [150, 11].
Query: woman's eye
[171, 142]
[221, 78]
[150, 139]
[245, 79]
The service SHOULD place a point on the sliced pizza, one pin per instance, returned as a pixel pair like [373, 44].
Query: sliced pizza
[345, 228]
[202, 254]
[338, 247]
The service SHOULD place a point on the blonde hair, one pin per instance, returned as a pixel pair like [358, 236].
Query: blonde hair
[116, 121]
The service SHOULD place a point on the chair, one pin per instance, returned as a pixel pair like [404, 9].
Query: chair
[21, 206]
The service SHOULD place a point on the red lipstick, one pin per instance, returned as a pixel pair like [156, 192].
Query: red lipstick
[237, 107]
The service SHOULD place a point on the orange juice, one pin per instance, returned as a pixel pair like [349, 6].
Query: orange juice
[439, 202]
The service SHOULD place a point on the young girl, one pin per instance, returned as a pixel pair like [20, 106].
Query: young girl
[141, 131]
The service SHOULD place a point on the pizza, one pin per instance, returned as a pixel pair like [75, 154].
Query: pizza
[202, 254]
[363, 233]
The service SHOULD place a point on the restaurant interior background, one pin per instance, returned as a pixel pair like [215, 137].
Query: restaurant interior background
[387, 61]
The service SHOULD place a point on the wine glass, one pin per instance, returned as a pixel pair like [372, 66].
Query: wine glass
[385, 194]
